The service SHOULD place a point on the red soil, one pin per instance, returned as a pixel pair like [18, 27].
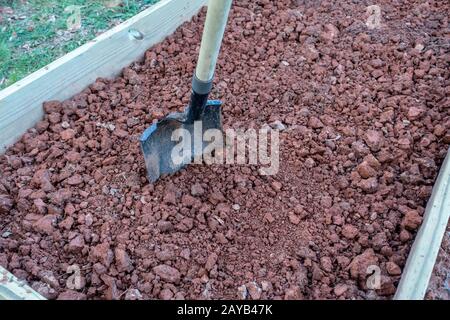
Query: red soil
[367, 127]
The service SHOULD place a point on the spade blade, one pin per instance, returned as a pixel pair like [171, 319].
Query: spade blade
[159, 140]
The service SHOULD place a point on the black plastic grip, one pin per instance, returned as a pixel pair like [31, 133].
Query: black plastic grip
[201, 87]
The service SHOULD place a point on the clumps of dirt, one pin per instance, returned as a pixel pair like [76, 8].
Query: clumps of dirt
[366, 127]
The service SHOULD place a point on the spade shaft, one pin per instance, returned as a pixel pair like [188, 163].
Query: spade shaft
[216, 20]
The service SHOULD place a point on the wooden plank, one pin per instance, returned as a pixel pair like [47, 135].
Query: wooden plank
[11, 288]
[105, 56]
[422, 257]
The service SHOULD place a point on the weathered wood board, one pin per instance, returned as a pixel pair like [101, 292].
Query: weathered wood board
[422, 257]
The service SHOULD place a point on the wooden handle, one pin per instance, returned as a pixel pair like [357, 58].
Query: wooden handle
[216, 20]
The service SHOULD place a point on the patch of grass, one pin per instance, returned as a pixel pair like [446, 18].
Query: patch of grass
[5, 53]
[37, 32]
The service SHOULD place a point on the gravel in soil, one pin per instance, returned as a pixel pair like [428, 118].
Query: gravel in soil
[366, 127]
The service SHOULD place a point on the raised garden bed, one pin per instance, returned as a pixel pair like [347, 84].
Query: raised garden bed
[366, 123]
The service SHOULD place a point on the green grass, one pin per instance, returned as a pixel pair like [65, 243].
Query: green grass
[36, 33]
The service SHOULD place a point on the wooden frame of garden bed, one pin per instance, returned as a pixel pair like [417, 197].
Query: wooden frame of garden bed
[105, 56]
